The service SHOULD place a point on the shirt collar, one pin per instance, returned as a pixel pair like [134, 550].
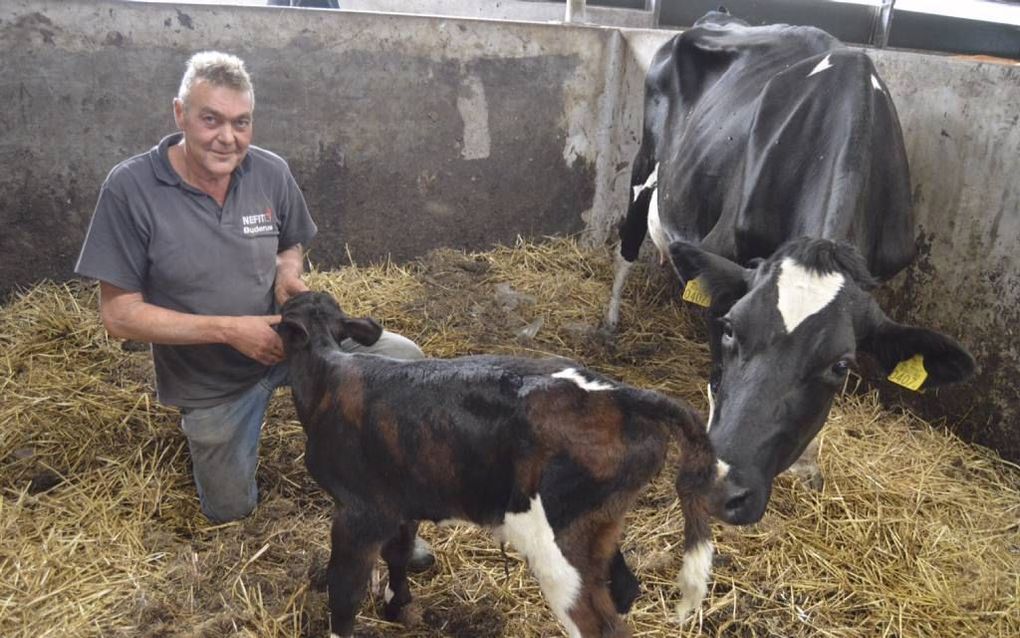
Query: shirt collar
[160, 158]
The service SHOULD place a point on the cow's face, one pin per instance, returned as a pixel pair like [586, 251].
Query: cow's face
[313, 318]
[783, 336]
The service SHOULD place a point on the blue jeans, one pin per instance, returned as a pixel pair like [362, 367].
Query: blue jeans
[224, 439]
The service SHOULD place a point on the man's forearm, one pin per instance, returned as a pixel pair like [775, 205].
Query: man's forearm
[289, 267]
[141, 321]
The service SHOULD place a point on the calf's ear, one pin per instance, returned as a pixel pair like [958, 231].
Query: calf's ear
[724, 280]
[293, 332]
[945, 360]
[363, 330]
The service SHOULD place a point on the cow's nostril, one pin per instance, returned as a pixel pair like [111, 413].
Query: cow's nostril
[737, 500]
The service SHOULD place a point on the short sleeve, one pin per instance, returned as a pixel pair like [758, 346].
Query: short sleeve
[296, 222]
[115, 247]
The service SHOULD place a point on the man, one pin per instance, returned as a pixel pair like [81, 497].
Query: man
[196, 244]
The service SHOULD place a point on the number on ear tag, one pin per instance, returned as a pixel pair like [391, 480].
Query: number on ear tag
[695, 293]
[910, 373]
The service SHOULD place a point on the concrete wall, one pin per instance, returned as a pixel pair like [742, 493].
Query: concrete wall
[408, 133]
[405, 132]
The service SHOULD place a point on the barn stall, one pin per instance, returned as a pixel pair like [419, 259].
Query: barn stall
[528, 132]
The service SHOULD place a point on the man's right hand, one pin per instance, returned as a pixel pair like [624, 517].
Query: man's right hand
[255, 338]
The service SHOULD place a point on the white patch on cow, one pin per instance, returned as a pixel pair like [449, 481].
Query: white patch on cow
[388, 594]
[651, 182]
[474, 111]
[531, 534]
[722, 468]
[804, 292]
[621, 269]
[821, 66]
[711, 407]
[875, 83]
[572, 374]
[694, 578]
[655, 228]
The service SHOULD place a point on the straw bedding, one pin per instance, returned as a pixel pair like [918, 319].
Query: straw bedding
[914, 534]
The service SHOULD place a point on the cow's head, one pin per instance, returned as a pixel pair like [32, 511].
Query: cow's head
[313, 318]
[783, 336]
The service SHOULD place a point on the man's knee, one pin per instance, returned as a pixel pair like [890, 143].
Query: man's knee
[391, 344]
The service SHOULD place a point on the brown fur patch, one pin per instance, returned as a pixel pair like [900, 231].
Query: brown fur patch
[389, 430]
[589, 427]
[351, 394]
[437, 457]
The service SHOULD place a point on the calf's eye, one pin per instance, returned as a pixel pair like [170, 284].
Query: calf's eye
[840, 367]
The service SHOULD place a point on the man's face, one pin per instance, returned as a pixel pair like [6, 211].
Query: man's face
[217, 125]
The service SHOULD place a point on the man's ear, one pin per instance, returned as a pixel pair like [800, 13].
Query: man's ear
[725, 281]
[945, 360]
[364, 330]
[293, 332]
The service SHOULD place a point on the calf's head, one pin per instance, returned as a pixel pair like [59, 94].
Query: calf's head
[313, 319]
[783, 336]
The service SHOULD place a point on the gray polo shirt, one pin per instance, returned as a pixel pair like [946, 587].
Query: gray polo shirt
[154, 234]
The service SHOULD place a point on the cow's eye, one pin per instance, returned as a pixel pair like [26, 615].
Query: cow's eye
[841, 367]
[726, 328]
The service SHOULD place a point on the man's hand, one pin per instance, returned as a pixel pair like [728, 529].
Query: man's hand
[255, 338]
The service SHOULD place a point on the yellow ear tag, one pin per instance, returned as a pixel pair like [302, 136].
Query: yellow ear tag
[910, 373]
[695, 293]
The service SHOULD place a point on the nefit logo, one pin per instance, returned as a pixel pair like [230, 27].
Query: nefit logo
[258, 224]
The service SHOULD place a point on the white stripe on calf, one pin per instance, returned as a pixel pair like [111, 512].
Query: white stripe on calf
[388, 594]
[821, 66]
[804, 292]
[573, 375]
[531, 534]
[694, 578]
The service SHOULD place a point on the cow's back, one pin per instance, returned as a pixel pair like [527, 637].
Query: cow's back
[763, 134]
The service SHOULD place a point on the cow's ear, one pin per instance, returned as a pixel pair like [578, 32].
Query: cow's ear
[724, 281]
[293, 332]
[365, 330]
[944, 359]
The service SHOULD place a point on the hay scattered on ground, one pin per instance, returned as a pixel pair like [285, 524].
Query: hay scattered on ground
[914, 534]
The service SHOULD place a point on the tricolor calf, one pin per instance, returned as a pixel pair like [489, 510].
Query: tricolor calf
[772, 170]
[548, 455]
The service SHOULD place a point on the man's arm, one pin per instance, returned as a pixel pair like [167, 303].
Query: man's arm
[289, 266]
[127, 315]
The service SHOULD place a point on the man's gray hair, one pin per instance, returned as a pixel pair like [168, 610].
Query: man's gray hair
[218, 69]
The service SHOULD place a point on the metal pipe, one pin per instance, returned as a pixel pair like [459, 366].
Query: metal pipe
[883, 24]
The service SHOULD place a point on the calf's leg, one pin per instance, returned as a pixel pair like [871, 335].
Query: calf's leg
[397, 553]
[354, 547]
[624, 587]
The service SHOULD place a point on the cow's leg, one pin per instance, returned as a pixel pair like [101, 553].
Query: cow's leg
[397, 553]
[354, 546]
[806, 467]
[624, 587]
[632, 235]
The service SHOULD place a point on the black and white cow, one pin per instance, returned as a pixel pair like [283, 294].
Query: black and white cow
[546, 453]
[772, 171]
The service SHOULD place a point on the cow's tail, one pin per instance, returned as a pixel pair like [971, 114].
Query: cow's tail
[694, 485]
